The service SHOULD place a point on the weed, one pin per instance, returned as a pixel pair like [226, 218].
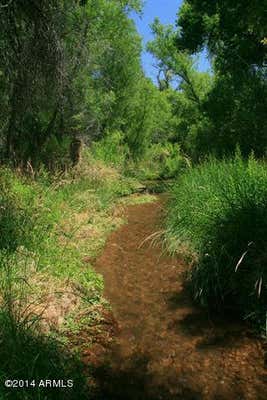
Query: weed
[48, 227]
[219, 211]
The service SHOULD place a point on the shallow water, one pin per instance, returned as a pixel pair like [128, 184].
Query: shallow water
[167, 348]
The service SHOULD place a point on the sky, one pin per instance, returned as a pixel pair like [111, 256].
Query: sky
[166, 10]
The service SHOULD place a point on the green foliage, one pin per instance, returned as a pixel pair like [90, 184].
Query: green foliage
[172, 161]
[73, 69]
[161, 161]
[55, 153]
[186, 102]
[112, 73]
[148, 120]
[234, 33]
[177, 67]
[111, 149]
[215, 113]
[234, 106]
[219, 213]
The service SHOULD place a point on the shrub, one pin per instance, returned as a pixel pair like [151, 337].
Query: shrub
[219, 210]
[172, 162]
[163, 161]
[111, 149]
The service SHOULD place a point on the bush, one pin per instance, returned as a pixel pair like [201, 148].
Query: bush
[172, 162]
[111, 149]
[161, 161]
[219, 212]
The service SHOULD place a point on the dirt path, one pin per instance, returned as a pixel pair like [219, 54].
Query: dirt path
[166, 348]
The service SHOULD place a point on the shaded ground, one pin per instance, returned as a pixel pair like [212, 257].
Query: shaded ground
[166, 348]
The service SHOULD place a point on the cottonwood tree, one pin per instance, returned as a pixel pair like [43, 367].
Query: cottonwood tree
[186, 88]
[234, 33]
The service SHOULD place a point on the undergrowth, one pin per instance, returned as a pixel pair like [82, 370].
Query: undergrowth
[52, 228]
[159, 161]
[218, 216]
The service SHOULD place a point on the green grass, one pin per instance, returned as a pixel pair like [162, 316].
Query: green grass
[52, 228]
[218, 216]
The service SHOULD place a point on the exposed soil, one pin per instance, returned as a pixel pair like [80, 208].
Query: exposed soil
[167, 348]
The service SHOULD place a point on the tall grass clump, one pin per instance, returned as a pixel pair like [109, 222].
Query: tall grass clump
[218, 213]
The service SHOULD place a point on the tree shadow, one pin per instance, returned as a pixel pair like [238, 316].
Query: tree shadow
[214, 329]
[132, 381]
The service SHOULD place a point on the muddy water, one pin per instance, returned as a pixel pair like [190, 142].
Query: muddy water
[166, 348]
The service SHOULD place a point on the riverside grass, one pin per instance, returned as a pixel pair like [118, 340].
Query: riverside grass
[218, 216]
[48, 226]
